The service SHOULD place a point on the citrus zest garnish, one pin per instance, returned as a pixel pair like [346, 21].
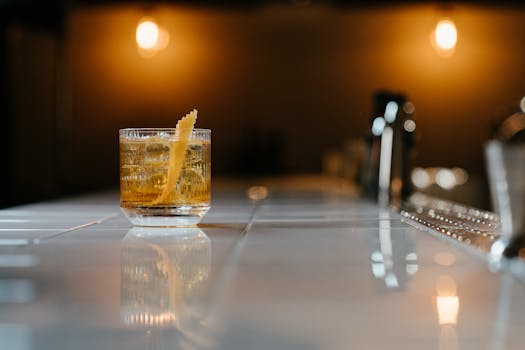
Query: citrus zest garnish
[177, 153]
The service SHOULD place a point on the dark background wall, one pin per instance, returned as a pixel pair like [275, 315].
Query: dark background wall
[279, 84]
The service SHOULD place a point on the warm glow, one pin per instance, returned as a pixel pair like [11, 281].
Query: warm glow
[147, 34]
[447, 300]
[444, 259]
[150, 37]
[420, 178]
[461, 176]
[445, 179]
[448, 307]
[409, 107]
[448, 338]
[257, 192]
[445, 35]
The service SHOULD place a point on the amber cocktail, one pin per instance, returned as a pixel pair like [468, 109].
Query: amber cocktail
[165, 180]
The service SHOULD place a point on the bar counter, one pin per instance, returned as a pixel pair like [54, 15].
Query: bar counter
[288, 269]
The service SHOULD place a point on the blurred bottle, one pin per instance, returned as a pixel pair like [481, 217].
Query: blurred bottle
[388, 160]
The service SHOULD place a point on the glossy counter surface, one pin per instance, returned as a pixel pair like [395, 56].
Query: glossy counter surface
[299, 270]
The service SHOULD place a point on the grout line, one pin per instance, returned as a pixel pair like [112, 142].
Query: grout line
[234, 256]
[223, 286]
[251, 220]
[38, 240]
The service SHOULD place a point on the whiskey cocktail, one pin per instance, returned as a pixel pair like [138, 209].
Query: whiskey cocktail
[164, 178]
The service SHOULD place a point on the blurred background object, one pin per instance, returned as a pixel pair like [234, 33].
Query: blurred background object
[389, 153]
[280, 83]
[505, 159]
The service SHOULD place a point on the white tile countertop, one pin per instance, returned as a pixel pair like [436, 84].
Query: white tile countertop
[302, 269]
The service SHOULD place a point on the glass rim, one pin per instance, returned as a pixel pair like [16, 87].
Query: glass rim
[154, 130]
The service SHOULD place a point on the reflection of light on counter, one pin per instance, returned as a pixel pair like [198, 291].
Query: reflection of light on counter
[257, 192]
[392, 266]
[447, 301]
[445, 259]
[446, 285]
[378, 266]
[411, 261]
[153, 319]
[448, 338]
[14, 241]
[385, 241]
[447, 309]
[391, 280]
[388, 263]
[13, 220]
[150, 37]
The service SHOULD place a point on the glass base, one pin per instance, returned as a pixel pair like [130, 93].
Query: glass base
[166, 216]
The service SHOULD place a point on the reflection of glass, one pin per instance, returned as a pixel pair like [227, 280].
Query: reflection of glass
[393, 257]
[164, 180]
[164, 275]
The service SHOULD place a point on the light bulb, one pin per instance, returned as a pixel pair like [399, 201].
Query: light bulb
[147, 34]
[445, 36]
[150, 37]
